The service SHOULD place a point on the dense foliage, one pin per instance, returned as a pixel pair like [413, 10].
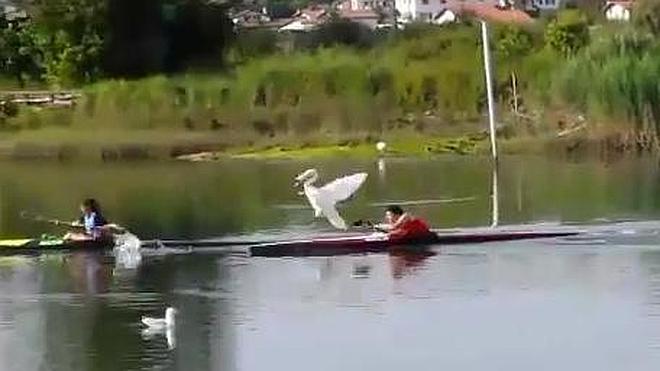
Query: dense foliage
[342, 78]
[72, 42]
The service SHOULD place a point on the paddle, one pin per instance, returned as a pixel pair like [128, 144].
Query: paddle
[368, 224]
[42, 219]
[360, 223]
[113, 228]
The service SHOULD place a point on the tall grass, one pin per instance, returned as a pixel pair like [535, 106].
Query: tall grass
[340, 92]
[331, 91]
[615, 80]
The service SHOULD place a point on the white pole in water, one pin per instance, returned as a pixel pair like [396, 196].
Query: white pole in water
[495, 218]
[489, 88]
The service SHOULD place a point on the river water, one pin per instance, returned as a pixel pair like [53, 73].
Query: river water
[571, 304]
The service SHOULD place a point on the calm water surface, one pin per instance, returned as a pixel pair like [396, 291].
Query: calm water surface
[571, 304]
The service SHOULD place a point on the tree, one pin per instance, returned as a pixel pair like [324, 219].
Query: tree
[646, 15]
[145, 37]
[72, 37]
[340, 31]
[281, 9]
[199, 33]
[136, 42]
[513, 44]
[254, 43]
[20, 55]
[592, 8]
[568, 33]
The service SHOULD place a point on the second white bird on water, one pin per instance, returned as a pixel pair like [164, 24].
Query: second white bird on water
[160, 323]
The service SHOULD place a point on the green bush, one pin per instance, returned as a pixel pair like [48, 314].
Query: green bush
[568, 33]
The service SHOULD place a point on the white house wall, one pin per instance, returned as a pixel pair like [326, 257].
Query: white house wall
[419, 10]
[446, 17]
[617, 12]
[547, 4]
[405, 8]
[426, 9]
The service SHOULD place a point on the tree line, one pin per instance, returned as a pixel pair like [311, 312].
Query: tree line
[73, 42]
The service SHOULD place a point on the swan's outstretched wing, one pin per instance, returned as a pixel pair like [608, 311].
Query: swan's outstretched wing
[326, 197]
[330, 212]
[341, 189]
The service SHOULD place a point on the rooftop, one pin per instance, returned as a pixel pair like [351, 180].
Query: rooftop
[491, 13]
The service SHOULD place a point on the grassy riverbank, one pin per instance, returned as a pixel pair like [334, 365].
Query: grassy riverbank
[422, 92]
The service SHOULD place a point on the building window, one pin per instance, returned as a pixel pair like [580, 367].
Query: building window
[425, 2]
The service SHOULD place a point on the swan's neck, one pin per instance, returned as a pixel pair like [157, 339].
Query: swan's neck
[310, 182]
[169, 317]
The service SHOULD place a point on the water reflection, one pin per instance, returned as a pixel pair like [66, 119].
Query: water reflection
[510, 306]
[150, 334]
[381, 165]
[70, 315]
[90, 272]
[495, 196]
[193, 201]
[403, 263]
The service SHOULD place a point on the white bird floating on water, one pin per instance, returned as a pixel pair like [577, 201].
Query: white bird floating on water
[157, 326]
[160, 323]
[381, 146]
[324, 199]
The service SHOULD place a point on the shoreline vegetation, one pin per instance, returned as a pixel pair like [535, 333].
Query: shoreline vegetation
[567, 84]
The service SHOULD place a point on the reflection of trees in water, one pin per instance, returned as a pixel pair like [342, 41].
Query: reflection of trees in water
[179, 200]
[405, 263]
[205, 334]
[79, 319]
[650, 264]
[18, 323]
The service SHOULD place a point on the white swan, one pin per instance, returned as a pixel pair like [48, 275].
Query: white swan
[160, 323]
[324, 199]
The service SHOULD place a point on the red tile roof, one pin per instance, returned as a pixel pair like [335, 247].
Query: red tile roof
[491, 13]
[626, 4]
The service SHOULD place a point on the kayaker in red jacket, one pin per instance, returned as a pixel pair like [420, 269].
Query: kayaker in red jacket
[400, 225]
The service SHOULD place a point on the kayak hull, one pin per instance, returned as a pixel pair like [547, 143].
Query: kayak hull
[32, 245]
[335, 244]
[376, 243]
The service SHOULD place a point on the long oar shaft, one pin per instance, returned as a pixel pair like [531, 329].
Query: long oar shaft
[114, 228]
[43, 219]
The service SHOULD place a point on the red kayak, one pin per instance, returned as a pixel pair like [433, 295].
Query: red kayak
[380, 242]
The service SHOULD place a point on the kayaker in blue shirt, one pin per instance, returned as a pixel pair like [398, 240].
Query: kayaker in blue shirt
[91, 222]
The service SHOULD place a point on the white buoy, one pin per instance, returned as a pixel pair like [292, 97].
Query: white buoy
[381, 146]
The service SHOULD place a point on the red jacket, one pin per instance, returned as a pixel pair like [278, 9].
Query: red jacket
[413, 228]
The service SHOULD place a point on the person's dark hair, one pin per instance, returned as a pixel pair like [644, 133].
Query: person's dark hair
[92, 204]
[395, 209]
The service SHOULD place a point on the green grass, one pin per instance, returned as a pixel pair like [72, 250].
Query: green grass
[411, 146]
[407, 91]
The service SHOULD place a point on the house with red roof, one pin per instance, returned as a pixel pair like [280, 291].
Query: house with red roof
[490, 13]
[618, 10]
[447, 11]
